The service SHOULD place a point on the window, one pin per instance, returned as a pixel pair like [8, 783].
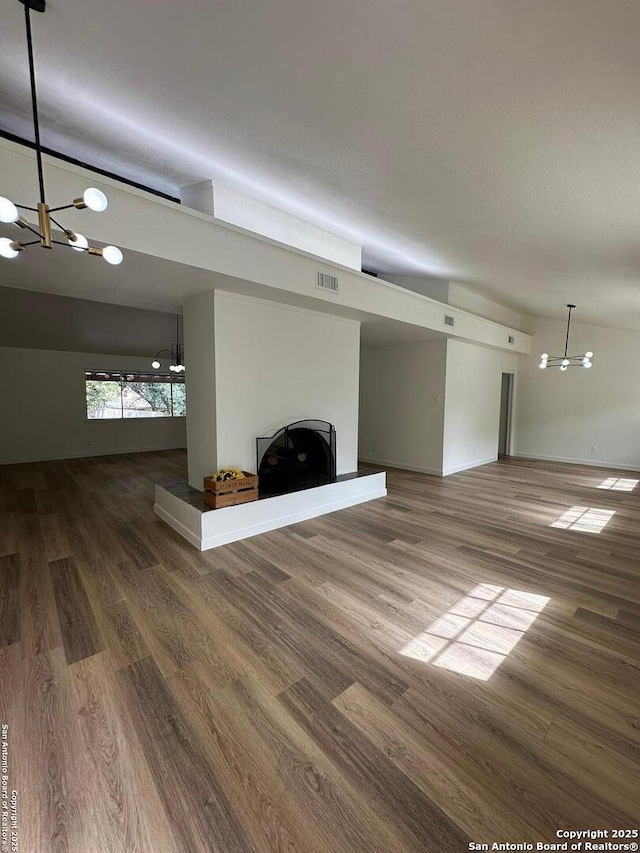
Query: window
[116, 395]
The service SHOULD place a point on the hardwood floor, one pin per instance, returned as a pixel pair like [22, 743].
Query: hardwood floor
[437, 667]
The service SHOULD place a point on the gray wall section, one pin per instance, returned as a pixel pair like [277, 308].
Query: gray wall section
[45, 321]
[434, 288]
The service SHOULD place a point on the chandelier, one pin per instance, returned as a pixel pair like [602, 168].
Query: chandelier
[565, 361]
[93, 198]
[176, 353]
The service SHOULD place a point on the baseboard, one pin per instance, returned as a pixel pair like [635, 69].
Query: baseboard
[457, 468]
[436, 472]
[386, 463]
[591, 463]
[178, 526]
[88, 453]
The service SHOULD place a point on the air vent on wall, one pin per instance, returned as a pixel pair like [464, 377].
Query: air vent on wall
[448, 320]
[512, 340]
[327, 282]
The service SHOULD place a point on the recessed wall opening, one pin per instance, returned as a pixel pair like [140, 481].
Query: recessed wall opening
[299, 456]
[506, 405]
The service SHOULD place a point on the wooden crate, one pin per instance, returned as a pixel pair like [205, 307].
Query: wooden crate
[219, 493]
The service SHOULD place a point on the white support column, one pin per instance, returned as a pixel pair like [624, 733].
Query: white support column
[200, 377]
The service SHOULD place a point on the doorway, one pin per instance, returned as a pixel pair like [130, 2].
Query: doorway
[506, 403]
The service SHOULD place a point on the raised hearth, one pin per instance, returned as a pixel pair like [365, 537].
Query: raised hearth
[184, 509]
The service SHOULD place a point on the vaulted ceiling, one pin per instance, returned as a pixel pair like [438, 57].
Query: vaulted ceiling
[495, 142]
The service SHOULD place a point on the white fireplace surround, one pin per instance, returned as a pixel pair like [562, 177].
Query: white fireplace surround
[254, 366]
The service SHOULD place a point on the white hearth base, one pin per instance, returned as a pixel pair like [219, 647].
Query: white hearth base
[209, 529]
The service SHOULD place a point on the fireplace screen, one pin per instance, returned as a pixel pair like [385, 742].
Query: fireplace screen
[298, 456]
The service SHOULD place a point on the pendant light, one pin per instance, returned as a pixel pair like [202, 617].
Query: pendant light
[565, 361]
[176, 353]
[92, 198]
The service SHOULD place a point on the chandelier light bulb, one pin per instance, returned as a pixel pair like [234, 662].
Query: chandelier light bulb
[6, 248]
[95, 199]
[8, 210]
[565, 362]
[544, 356]
[587, 364]
[155, 364]
[112, 254]
[563, 367]
[589, 354]
[543, 365]
[79, 243]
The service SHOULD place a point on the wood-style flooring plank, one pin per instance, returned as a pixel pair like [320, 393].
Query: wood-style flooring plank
[391, 790]
[9, 599]
[440, 774]
[128, 807]
[314, 797]
[40, 628]
[80, 633]
[185, 778]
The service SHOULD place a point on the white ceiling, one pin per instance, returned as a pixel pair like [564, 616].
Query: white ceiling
[495, 142]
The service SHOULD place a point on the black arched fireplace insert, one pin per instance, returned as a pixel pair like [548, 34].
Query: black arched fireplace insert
[298, 456]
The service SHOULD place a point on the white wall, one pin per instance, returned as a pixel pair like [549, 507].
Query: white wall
[402, 405]
[286, 228]
[458, 296]
[472, 404]
[563, 415]
[434, 288]
[200, 360]
[44, 413]
[466, 298]
[276, 364]
[431, 406]
[238, 209]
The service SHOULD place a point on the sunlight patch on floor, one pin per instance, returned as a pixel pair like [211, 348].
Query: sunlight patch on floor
[619, 484]
[478, 632]
[587, 519]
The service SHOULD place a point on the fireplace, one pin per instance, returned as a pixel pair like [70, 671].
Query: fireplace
[298, 456]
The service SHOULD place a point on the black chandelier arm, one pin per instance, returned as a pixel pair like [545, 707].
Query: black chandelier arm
[26, 207]
[61, 227]
[566, 357]
[24, 224]
[34, 101]
[30, 243]
[62, 207]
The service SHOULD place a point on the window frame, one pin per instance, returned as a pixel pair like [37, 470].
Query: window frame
[124, 377]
